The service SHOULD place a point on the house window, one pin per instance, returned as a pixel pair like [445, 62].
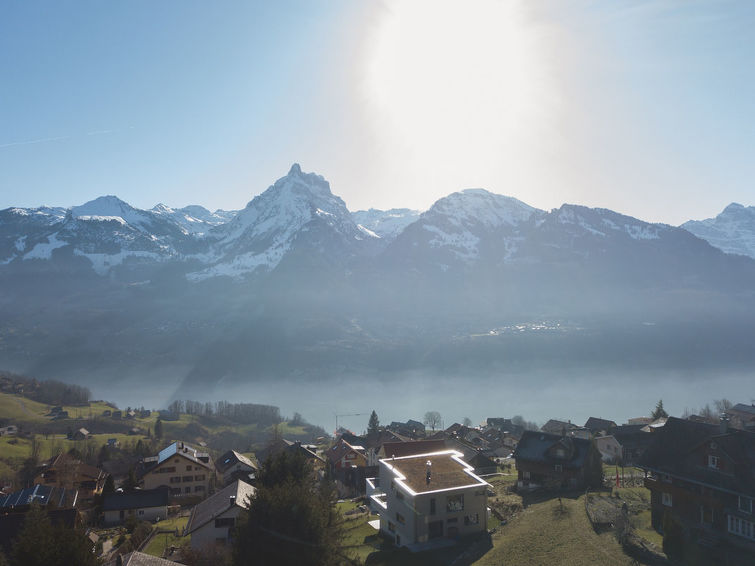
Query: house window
[187, 489]
[455, 502]
[391, 527]
[175, 491]
[666, 499]
[400, 518]
[188, 478]
[745, 504]
[198, 488]
[741, 527]
[224, 522]
[560, 453]
[558, 468]
[199, 477]
[175, 479]
[432, 506]
[472, 519]
[526, 475]
[666, 478]
[712, 461]
[141, 511]
[188, 468]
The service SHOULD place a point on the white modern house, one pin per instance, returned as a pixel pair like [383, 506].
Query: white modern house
[429, 496]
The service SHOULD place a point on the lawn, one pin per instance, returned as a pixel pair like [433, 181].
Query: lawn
[546, 532]
[20, 409]
[160, 542]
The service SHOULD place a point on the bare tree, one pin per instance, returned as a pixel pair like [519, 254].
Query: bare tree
[432, 419]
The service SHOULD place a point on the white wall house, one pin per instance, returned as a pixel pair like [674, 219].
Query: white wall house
[429, 496]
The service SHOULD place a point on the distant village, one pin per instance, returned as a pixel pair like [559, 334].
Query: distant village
[418, 486]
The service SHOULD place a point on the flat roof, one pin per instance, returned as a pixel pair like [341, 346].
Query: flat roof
[447, 471]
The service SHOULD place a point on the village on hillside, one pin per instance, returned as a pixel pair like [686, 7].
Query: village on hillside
[188, 484]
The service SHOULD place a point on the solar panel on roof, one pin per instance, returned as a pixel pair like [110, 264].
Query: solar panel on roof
[166, 453]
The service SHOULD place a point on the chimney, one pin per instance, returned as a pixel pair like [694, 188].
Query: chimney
[428, 471]
[233, 500]
[724, 424]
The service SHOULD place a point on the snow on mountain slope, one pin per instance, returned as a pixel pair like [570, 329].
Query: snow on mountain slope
[457, 223]
[604, 222]
[298, 209]
[385, 224]
[194, 219]
[109, 208]
[732, 231]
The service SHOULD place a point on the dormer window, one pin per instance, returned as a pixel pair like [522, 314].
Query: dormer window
[745, 504]
[712, 461]
[560, 453]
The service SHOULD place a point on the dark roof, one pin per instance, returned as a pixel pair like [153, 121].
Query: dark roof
[41, 494]
[595, 424]
[230, 459]
[401, 449]
[742, 408]
[674, 451]
[137, 499]
[535, 447]
[213, 506]
[555, 427]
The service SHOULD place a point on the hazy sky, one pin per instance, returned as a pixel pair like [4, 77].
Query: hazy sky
[647, 108]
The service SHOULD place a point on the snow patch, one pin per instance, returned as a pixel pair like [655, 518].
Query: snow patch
[103, 263]
[44, 250]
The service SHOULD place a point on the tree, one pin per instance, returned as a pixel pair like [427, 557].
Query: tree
[159, 428]
[659, 412]
[432, 419]
[722, 405]
[40, 543]
[291, 518]
[466, 421]
[593, 467]
[373, 426]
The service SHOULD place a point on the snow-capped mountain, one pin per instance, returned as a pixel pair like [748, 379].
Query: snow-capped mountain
[732, 231]
[195, 219]
[461, 226]
[386, 224]
[297, 212]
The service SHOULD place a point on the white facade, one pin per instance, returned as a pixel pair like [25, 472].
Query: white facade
[413, 512]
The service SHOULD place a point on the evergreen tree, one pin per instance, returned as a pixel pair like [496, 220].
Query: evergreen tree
[39, 543]
[373, 426]
[593, 467]
[659, 412]
[109, 486]
[291, 519]
[159, 428]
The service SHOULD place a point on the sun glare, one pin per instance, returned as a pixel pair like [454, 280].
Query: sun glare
[460, 86]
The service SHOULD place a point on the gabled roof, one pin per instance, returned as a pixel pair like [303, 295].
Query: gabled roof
[554, 426]
[235, 495]
[137, 499]
[675, 447]
[231, 458]
[401, 449]
[178, 449]
[540, 447]
[595, 424]
[742, 408]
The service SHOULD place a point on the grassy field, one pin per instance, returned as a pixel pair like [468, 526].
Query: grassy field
[160, 542]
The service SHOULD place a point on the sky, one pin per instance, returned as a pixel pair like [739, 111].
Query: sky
[646, 108]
